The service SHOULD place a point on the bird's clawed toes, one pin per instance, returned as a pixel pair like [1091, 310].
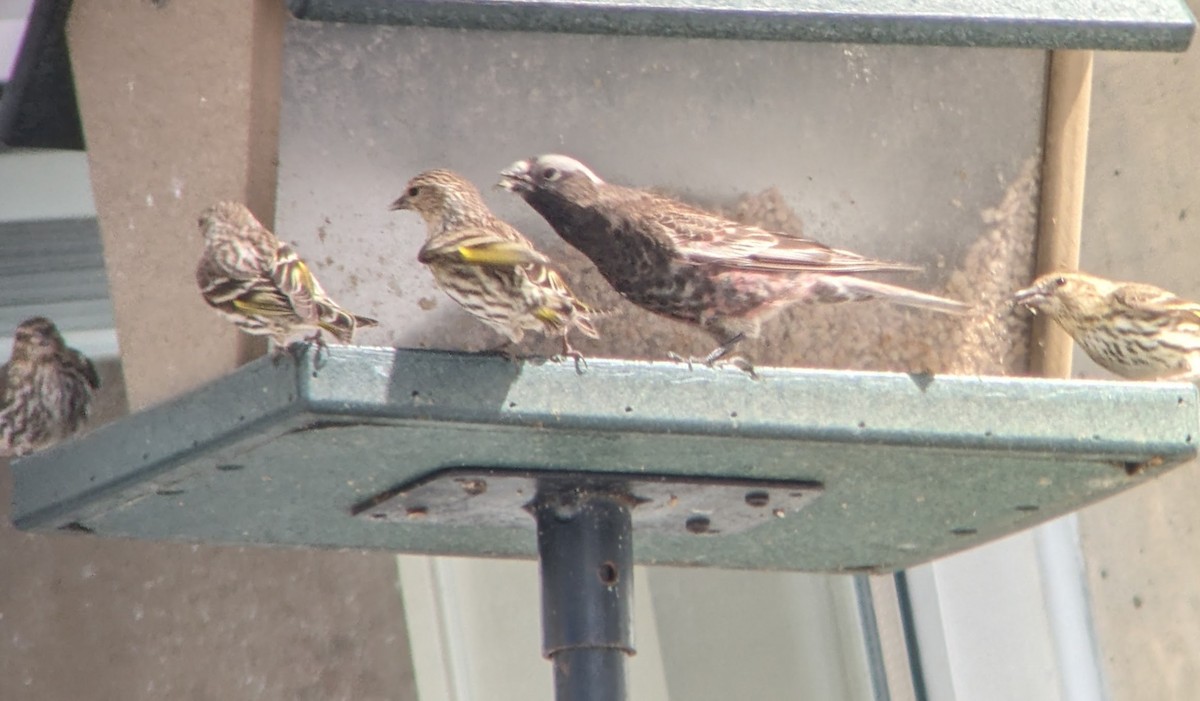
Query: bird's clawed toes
[716, 360]
[322, 355]
[569, 352]
[677, 358]
[580, 361]
[280, 350]
[741, 363]
[724, 349]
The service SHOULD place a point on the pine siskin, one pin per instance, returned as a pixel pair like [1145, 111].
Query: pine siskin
[694, 266]
[261, 285]
[487, 266]
[47, 389]
[1140, 332]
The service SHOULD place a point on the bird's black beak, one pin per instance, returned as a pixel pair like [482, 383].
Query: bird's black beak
[1032, 298]
[517, 177]
[400, 203]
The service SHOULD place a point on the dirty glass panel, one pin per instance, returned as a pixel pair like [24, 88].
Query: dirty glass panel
[922, 155]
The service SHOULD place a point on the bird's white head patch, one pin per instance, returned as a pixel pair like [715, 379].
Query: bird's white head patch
[552, 166]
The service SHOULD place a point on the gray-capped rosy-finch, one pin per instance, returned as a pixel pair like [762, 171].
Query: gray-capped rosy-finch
[261, 285]
[487, 266]
[47, 389]
[694, 266]
[1136, 331]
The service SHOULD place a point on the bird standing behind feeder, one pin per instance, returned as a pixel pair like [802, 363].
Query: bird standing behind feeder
[47, 389]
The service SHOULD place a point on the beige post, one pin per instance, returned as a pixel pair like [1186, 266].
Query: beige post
[1064, 164]
[175, 120]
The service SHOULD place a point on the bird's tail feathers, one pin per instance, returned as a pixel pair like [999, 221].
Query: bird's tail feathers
[860, 288]
[342, 324]
[583, 322]
[585, 314]
[564, 319]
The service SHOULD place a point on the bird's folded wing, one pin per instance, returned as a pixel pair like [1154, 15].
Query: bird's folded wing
[712, 240]
[264, 300]
[479, 247]
[295, 281]
[1148, 298]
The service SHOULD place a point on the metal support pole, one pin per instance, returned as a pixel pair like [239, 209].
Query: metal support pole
[585, 548]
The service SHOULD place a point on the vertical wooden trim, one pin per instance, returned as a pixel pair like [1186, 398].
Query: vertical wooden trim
[186, 115]
[1064, 166]
[269, 18]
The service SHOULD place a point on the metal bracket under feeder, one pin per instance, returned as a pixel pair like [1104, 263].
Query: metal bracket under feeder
[658, 503]
[585, 527]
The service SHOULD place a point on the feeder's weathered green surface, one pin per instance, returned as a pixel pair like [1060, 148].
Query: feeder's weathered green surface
[912, 467]
[1129, 25]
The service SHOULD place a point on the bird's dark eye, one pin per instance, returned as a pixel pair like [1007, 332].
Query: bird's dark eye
[1060, 281]
[414, 191]
[550, 174]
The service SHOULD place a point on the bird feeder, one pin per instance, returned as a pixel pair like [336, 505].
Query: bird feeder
[800, 117]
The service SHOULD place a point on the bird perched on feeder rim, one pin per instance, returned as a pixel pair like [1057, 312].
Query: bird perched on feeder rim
[491, 270]
[694, 266]
[1137, 331]
[261, 285]
[47, 389]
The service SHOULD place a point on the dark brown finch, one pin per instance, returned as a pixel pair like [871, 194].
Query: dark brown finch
[1137, 331]
[47, 389]
[694, 266]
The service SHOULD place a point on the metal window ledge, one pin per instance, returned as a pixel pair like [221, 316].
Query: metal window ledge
[1137, 25]
[906, 468]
